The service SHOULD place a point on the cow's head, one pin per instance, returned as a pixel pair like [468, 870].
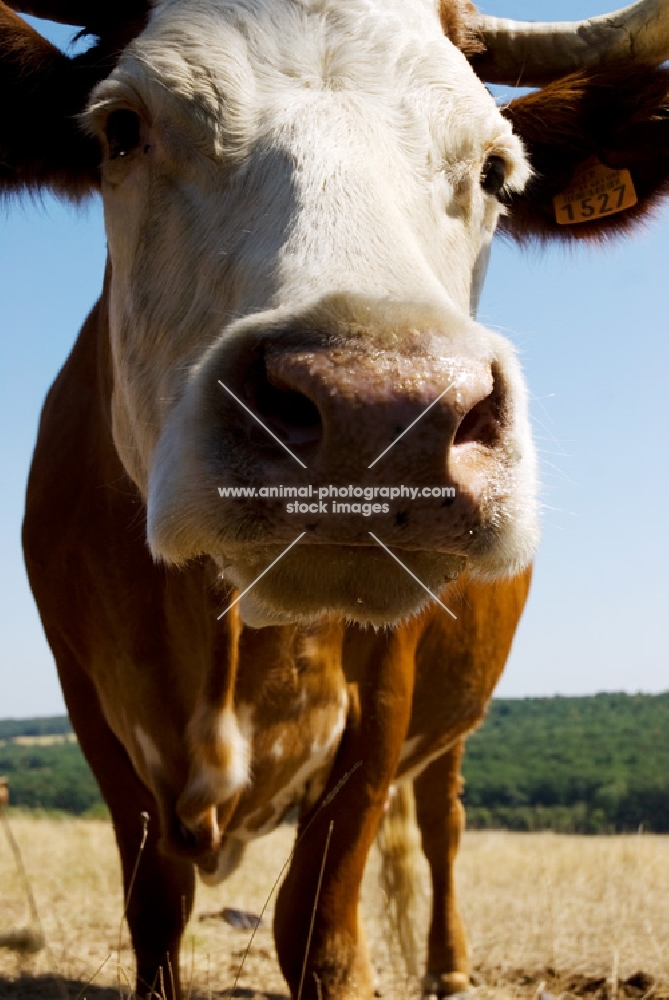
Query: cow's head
[300, 199]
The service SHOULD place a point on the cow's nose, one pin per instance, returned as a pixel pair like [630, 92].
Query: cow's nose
[340, 408]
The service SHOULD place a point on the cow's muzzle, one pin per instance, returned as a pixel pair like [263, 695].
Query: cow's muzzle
[363, 430]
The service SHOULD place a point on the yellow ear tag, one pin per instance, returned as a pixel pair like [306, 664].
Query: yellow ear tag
[595, 192]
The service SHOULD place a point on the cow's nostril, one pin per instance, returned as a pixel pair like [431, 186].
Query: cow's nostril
[292, 416]
[288, 408]
[483, 424]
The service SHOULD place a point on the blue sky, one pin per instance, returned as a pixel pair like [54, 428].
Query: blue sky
[591, 327]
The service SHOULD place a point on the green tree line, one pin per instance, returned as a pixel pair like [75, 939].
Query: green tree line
[581, 765]
[573, 765]
[54, 777]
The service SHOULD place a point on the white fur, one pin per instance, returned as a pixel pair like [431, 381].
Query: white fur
[234, 739]
[291, 149]
[236, 730]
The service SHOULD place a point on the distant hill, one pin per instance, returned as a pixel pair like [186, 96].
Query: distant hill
[45, 767]
[54, 725]
[585, 765]
[589, 765]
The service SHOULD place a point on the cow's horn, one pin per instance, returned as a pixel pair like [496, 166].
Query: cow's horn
[530, 53]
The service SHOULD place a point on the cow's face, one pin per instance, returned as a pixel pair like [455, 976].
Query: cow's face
[299, 200]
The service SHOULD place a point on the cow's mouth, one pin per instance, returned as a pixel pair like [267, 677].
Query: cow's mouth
[362, 583]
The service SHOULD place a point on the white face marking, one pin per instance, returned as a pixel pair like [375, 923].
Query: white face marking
[291, 151]
[292, 147]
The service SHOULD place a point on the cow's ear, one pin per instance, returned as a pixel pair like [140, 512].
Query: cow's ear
[573, 131]
[42, 92]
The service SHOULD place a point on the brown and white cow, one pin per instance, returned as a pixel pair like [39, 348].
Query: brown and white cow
[299, 198]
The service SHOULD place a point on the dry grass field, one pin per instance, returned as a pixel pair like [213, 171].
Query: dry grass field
[568, 916]
[40, 741]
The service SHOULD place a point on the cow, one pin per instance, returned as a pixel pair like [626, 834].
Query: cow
[299, 200]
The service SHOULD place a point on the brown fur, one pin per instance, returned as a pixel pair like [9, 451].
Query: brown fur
[456, 20]
[622, 117]
[441, 819]
[41, 143]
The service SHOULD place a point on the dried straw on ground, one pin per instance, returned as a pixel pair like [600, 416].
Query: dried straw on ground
[578, 915]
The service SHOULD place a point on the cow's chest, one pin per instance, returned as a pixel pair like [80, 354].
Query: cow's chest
[292, 690]
[292, 697]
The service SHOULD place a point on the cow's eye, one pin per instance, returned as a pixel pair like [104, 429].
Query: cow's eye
[123, 131]
[493, 175]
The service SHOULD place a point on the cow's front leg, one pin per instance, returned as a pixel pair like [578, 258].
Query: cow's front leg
[158, 890]
[159, 902]
[440, 818]
[318, 937]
